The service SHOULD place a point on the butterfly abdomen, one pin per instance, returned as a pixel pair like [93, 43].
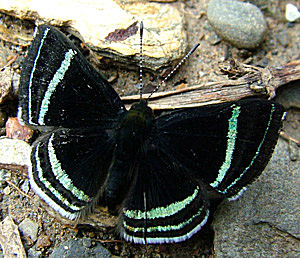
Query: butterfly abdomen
[135, 128]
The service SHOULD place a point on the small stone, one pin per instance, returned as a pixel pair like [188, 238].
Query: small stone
[87, 242]
[7, 190]
[33, 253]
[4, 175]
[282, 38]
[43, 242]
[290, 97]
[77, 248]
[241, 24]
[6, 90]
[25, 186]
[15, 130]
[291, 13]
[14, 151]
[29, 229]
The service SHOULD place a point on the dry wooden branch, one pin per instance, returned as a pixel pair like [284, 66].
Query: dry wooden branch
[248, 81]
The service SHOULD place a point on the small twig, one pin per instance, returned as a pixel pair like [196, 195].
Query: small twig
[14, 42]
[249, 81]
[14, 58]
[13, 185]
[289, 138]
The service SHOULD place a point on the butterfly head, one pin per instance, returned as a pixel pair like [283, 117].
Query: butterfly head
[141, 110]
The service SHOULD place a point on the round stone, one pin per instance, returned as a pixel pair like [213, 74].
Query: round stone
[241, 24]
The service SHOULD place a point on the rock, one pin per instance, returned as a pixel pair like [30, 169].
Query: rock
[10, 240]
[264, 222]
[25, 186]
[77, 248]
[6, 89]
[111, 27]
[291, 13]
[14, 151]
[29, 229]
[15, 130]
[7, 190]
[241, 24]
[282, 38]
[31, 253]
[290, 96]
[43, 242]
[4, 175]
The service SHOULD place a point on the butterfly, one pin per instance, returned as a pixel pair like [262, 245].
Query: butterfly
[159, 174]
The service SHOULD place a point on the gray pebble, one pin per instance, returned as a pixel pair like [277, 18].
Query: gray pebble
[29, 228]
[4, 175]
[87, 242]
[77, 248]
[33, 253]
[241, 24]
[282, 38]
[290, 96]
[25, 186]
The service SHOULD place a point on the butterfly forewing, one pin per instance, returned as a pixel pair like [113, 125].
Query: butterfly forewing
[60, 88]
[226, 145]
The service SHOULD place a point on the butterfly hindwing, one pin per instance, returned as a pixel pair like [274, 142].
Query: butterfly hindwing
[165, 204]
[226, 145]
[60, 88]
[69, 167]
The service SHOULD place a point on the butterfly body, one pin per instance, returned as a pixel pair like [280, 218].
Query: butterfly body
[130, 139]
[158, 173]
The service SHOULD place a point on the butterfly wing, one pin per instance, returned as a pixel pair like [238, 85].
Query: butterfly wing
[165, 204]
[68, 168]
[225, 146]
[60, 88]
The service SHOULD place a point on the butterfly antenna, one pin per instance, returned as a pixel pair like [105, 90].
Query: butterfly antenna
[141, 59]
[176, 68]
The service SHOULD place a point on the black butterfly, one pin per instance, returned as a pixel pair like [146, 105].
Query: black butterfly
[159, 173]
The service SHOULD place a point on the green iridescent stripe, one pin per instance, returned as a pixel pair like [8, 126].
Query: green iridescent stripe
[31, 75]
[61, 175]
[256, 154]
[161, 212]
[58, 76]
[49, 186]
[231, 139]
[167, 239]
[163, 228]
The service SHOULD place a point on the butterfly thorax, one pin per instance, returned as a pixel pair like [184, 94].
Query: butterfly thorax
[135, 127]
